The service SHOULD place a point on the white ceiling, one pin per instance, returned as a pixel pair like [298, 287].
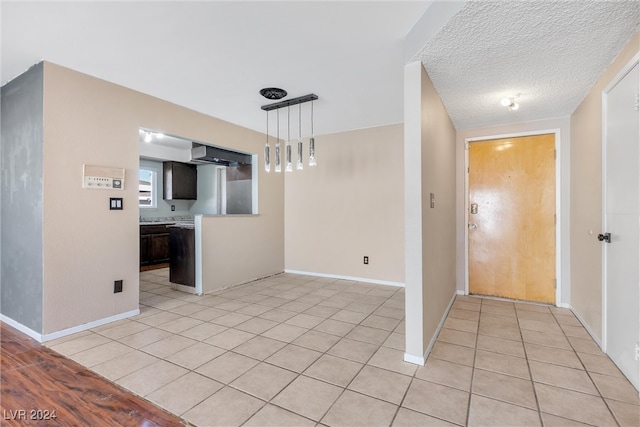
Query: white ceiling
[214, 56]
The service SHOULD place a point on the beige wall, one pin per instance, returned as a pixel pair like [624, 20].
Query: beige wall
[234, 251]
[86, 246]
[586, 195]
[561, 125]
[429, 244]
[348, 206]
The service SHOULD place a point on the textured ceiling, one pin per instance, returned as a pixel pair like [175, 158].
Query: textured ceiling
[550, 52]
[214, 56]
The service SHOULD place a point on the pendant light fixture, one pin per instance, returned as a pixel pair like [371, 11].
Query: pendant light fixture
[299, 165]
[267, 149]
[278, 165]
[288, 167]
[275, 93]
[312, 143]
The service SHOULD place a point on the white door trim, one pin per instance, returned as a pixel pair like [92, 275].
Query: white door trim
[558, 162]
[605, 92]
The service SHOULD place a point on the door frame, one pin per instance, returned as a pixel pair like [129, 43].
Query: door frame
[558, 251]
[605, 92]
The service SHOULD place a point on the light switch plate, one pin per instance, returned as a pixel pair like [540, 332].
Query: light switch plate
[115, 203]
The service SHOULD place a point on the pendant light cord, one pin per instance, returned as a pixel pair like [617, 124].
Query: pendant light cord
[299, 122]
[288, 125]
[312, 119]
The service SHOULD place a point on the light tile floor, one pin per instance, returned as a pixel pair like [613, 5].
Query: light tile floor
[293, 350]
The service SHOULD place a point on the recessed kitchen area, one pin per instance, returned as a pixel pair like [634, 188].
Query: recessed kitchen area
[182, 181]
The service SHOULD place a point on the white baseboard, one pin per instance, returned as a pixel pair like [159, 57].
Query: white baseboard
[42, 338]
[19, 326]
[356, 279]
[586, 326]
[422, 360]
[416, 360]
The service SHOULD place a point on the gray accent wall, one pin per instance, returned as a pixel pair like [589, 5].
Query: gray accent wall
[21, 195]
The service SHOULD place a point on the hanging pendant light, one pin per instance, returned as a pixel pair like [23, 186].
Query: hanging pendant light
[312, 143]
[299, 164]
[288, 166]
[275, 93]
[278, 165]
[267, 149]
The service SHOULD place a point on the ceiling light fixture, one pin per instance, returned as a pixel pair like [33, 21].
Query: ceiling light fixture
[275, 93]
[288, 167]
[299, 165]
[510, 102]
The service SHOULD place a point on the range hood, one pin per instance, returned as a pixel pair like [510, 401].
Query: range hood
[208, 154]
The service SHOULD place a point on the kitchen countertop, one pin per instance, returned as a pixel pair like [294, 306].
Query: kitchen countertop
[157, 222]
[167, 220]
[183, 224]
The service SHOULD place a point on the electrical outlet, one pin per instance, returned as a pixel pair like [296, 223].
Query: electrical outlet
[366, 260]
[173, 208]
[117, 286]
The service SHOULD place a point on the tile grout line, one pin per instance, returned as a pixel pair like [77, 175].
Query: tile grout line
[526, 355]
[473, 365]
[588, 374]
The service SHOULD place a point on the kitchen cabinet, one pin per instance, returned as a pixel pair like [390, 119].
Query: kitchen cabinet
[154, 244]
[182, 264]
[180, 181]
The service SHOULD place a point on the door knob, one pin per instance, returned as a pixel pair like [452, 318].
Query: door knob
[472, 226]
[606, 237]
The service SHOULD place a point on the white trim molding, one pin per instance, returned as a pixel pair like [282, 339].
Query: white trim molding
[42, 338]
[337, 276]
[417, 360]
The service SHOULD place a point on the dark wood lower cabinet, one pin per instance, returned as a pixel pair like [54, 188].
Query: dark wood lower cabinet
[154, 244]
[182, 265]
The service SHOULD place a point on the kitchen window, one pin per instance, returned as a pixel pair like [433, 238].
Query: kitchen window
[147, 189]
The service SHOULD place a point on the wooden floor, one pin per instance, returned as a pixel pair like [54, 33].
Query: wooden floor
[37, 384]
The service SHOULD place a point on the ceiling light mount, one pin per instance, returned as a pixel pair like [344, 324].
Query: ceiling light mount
[273, 93]
[290, 102]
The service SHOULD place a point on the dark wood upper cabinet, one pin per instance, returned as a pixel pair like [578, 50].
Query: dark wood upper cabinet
[180, 181]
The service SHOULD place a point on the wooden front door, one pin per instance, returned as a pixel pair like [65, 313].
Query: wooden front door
[511, 213]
